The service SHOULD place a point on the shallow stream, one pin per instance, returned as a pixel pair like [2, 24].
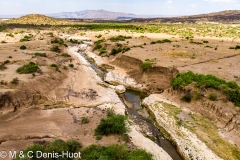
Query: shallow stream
[134, 98]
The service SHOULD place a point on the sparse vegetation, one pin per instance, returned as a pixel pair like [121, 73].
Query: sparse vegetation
[146, 65]
[114, 152]
[85, 120]
[71, 65]
[26, 38]
[23, 47]
[40, 54]
[10, 35]
[119, 38]
[55, 66]
[231, 89]
[57, 41]
[28, 68]
[236, 47]
[15, 81]
[212, 96]
[65, 55]
[55, 49]
[57, 147]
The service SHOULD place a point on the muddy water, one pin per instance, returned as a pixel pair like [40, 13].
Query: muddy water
[134, 98]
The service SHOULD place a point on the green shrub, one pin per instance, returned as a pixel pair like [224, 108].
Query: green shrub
[102, 51]
[139, 155]
[65, 55]
[163, 41]
[57, 41]
[55, 49]
[231, 89]
[126, 49]
[71, 65]
[55, 66]
[85, 120]
[119, 38]
[99, 36]
[23, 47]
[28, 68]
[75, 41]
[57, 146]
[113, 124]
[10, 35]
[146, 65]
[34, 148]
[114, 152]
[115, 51]
[40, 54]
[212, 96]
[26, 38]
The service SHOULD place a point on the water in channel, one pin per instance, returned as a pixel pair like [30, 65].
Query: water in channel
[134, 98]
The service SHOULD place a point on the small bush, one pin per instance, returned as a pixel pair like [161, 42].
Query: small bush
[85, 120]
[40, 54]
[26, 38]
[9, 56]
[6, 62]
[146, 65]
[231, 89]
[114, 152]
[57, 41]
[99, 36]
[71, 65]
[102, 51]
[10, 35]
[15, 81]
[28, 68]
[55, 66]
[65, 55]
[126, 49]
[115, 51]
[74, 41]
[237, 47]
[119, 38]
[23, 47]
[55, 49]
[164, 41]
[2, 66]
[57, 146]
[113, 124]
[187, 98]
[212, 97]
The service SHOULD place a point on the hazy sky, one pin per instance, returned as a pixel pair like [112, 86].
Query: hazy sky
[141, 7]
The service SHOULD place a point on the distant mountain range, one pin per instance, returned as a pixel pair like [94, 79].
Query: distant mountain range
[92, 14]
